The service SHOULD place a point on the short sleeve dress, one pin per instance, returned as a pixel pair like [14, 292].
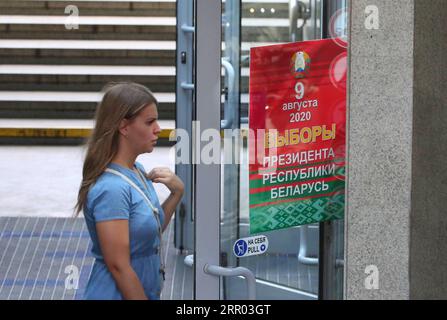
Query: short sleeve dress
[113, 198]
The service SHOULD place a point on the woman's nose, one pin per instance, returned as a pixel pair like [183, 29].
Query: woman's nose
[157, 128]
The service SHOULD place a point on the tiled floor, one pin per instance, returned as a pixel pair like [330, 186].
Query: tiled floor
[40, 257]
[35, 253]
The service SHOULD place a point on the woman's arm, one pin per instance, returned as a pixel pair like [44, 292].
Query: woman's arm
[174, 184]
[169, 206]
[113, 238]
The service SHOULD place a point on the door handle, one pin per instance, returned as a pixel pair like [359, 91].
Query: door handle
[189, 260]
[187, 86]
[302, 255]
[228, 112]
[228, 272]
[297, 9]
[188, 29]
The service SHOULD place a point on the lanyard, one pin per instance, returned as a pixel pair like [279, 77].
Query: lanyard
[154, 210]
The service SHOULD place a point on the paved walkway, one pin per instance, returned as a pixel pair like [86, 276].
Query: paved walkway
[43, 181]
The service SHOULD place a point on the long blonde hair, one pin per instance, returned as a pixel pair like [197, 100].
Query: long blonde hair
[122, 100]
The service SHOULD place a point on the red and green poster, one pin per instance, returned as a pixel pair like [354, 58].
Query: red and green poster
[297, 134]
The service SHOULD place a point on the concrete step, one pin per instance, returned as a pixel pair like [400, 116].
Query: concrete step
[63, 44]
[114, 42]
[253, 30]
[129, 8]
[113, 45]
[82, 82]
[68, 131]
[87, 32]
[64, 110]
[74, 105]
[88, 8]
[64, 123]
[60, 96]
[30, 74]
[88, 57]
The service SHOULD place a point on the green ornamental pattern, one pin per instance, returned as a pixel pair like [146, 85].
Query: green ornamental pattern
[289, 214]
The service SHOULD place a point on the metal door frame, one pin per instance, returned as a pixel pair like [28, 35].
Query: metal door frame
[208, 104]
[184, 221]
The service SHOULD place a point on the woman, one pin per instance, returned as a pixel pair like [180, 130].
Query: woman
[121, 209]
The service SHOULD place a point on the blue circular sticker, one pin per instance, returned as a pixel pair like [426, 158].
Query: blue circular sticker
[240, 248]
[263, 247]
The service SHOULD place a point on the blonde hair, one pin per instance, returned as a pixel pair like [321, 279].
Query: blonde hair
[123, 100]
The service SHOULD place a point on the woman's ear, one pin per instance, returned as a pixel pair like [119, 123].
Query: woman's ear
[123, 127]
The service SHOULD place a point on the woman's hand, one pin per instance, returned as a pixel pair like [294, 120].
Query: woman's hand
[174, 184]
[168, 178]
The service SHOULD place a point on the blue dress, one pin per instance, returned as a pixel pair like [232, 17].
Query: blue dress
[113, 198]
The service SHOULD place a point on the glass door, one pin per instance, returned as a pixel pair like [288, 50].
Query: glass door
[301, 262]
[280, 274]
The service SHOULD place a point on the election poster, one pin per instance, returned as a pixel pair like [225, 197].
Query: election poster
[297, 122]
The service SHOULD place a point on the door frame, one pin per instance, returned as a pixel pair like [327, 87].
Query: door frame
[208, 15]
